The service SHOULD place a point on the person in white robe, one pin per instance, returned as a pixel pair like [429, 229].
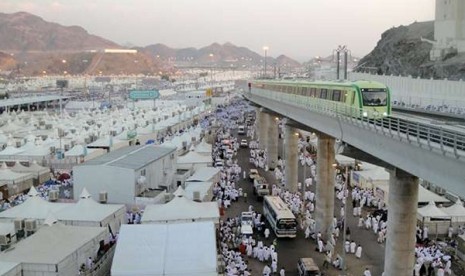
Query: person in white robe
[320, 246]
[274, 266]
[266, 270]
[367, 272]
[353, 246]
[347, 246]
[267, 233]
[358, 253]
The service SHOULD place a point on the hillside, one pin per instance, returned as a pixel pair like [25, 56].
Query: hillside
[400, 51]
[26, 32]
[215, 54]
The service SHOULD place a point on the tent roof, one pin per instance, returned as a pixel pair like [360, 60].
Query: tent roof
[8, 175]
[201, 187]
[432, 211]
[181, 208]
[51, 244]
[455, 210]
[87, 209]
[180, 192]
[10, 150]
[6, 267]
[425, 195]
[166, 249]
[36, 151]
[194, 157]
[203, 174]
[33, 208]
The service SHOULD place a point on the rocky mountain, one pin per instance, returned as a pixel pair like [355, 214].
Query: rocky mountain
[215, 54]
[400, 51]
[33, 46]
[23, 31]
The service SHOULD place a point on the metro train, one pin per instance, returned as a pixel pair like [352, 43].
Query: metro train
[357, 98]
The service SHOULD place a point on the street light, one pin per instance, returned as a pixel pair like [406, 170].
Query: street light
[265, 48]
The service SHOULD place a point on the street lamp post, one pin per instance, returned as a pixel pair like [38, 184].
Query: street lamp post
[265, 48]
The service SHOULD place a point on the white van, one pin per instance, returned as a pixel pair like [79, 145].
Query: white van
[241, 130]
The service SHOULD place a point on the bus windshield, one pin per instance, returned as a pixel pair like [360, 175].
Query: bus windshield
[287, 224]
[374, 98]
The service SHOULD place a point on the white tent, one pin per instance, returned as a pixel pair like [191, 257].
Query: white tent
[180, 192]
[10, 268]
[187, 249]
[33, 208]
[204, 148]
[456, 211]
[181, 209]
[195, 160]
[370, 176]
[205, 190]
[17, 182]
[10, 150]
[205, 174]
[430, 211]
[56, 249]
[87, 212]
[381, 191]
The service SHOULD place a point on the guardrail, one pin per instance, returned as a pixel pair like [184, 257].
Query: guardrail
[423, 135]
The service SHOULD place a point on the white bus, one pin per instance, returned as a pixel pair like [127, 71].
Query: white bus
[280, 217]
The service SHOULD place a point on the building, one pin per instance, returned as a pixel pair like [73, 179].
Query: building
[127, 174]
[449, 28]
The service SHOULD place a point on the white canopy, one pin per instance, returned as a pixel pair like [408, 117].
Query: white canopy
[456, 210]
[181, 209]
[193, 157]
[180, 192]
[87, 209]
[187, 249]
[10, 150]
[7, 175]
[431, 211]
[204, 174]
[425, 195]
[204, 148]
[33, 208]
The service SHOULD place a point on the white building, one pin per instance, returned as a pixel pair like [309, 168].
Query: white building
[449, 28]
[127, 173]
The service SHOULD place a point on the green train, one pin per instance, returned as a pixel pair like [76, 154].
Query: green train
[359, 98]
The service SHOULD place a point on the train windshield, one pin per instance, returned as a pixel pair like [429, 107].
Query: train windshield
[374, 97]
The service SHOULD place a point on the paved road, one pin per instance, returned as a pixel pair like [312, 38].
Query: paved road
[290, 250]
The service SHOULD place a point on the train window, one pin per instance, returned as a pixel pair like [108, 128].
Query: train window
[304, 91]
[337, 95]
[324, 93]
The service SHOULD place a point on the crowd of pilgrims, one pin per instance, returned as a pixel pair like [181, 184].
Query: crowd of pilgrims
[236, 248]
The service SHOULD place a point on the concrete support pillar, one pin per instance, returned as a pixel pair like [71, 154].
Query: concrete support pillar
[401, 225]
[272, 144]
[324, 209]
[291, 168]
[262, 129]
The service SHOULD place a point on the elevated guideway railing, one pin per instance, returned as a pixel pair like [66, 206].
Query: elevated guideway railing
[399, 142]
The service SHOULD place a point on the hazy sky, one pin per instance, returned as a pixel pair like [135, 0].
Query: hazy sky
[298, 28]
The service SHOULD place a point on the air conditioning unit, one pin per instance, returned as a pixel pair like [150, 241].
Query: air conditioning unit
[18, 144]
[52, 150]
[30, 224]
[196, 196]
[53, 195]
[48, 126]
[113, 133]
[19, 224]
[103, 197]
[87, 140]
[66, 147]
[167, 197]
[5, 239]
[440, 191]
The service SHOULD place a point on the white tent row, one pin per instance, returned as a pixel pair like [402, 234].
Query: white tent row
[184, 249]
[86, 212]
[55, 249]
[181, 209]
[194, 160]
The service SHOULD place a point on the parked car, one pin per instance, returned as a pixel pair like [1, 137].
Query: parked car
[244, 143]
